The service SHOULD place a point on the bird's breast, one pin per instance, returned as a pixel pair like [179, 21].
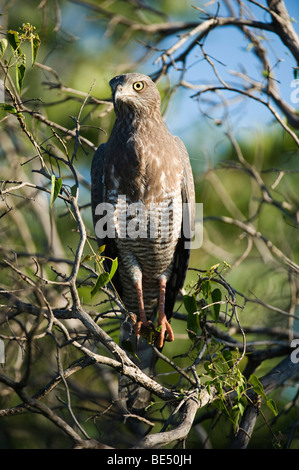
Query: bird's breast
[146, 239]
[143, 180]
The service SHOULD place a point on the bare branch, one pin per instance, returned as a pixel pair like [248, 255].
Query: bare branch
[283, 26]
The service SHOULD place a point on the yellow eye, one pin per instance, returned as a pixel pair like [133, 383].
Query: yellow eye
[138, 86]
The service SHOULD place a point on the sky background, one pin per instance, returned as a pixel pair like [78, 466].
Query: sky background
[226, 47]
[228, 50]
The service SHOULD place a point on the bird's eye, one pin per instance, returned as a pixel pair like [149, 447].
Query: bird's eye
[138, 86]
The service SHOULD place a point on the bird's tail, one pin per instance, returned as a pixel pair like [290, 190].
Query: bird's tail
[133, 396]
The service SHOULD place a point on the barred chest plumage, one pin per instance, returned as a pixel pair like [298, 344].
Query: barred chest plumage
[151, 256]
[145, 192]
[146, 235]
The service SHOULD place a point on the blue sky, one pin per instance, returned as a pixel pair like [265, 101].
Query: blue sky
[228, 51]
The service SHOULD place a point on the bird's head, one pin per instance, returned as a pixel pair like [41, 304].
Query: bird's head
[135, 93]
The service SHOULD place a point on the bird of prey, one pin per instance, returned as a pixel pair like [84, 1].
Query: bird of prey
[143, 171]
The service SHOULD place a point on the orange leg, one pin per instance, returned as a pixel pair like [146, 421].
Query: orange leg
[163, 323]
[143, 321]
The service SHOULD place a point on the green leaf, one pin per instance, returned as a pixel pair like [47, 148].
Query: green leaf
[190, 303]
[10, 109]
[3, 46]
[242, 404]
[14, 40]
[101, 249]
[234, 416]
[55, 189]
[101, 281]
[220, 405]
[151, 403]
[192, 319]
[113, 268]
[213, 268]
[20, 73]
[257, 387]
[206, 288]
[35, 43]
[215, 309]
[228, 357]
[272, 406]
[220, 364]
[104, 278]
[74, 190]
[86, 258]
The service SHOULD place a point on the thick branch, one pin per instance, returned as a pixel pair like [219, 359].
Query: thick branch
[285, 371]
[181, 431]
[283, 26]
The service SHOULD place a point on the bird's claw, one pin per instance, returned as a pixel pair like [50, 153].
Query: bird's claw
[164, 332]
[143, 328]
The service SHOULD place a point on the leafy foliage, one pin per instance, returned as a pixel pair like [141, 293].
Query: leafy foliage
[234, 322]
[17, 39]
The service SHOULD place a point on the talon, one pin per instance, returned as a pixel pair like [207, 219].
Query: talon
[165, 332]
[142, 327]
[137, 328]
[169, 332]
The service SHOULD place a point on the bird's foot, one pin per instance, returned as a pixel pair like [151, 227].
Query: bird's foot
[164, 332]
[143, 328]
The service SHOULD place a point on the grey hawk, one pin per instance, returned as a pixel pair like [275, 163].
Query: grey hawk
[143, 177]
